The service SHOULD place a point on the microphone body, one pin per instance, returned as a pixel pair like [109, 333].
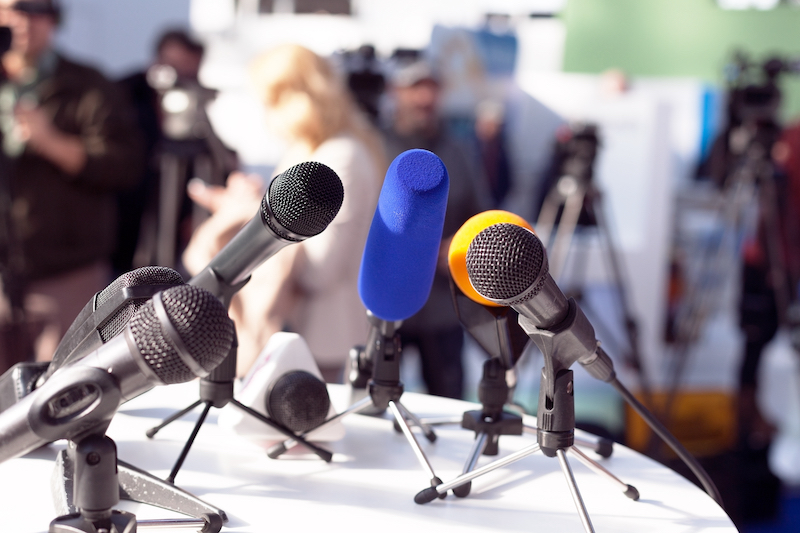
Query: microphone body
[181, 333]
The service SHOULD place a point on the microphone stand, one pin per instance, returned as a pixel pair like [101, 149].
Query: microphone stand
[380, 359]
[216, 389]
[89, 480]
[555, 433]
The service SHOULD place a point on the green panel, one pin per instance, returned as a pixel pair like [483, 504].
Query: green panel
[677, 38]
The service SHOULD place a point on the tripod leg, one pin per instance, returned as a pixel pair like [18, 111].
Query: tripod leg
[426, 429]
[566, 230]
[430, 494]
[188, 445]
[573, 488]
[152, 431]
[629, 490]
[282, 447]
[323, 454]
[462, 491]
[399, 411]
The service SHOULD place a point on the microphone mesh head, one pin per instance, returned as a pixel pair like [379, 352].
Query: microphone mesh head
[298, 400]
[506, 263]
[303, 199]
[201, 322]
[149, 275]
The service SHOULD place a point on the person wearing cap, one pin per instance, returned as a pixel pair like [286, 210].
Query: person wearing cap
[69, 144]
[416, 122]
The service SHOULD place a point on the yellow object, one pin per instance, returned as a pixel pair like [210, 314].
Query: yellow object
[703, 421]
[457, 255]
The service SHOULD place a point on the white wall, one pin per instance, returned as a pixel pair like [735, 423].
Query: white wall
[117, 35]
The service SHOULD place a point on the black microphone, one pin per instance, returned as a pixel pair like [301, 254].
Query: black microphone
[181, 333]
[108, 312]
[298, 400]
[507, 264]
[101, 319]
[299, 203]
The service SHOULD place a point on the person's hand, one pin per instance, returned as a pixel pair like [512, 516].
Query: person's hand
[34, 127]
[231, 207]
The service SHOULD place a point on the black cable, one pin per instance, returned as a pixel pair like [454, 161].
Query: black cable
[668, 438]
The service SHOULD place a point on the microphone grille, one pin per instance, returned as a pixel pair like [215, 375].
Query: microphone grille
[304, 199]
[149, 275]
[202, 324]
[298, 400]
[506, 263]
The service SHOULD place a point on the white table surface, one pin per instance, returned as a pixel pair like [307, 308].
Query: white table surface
[372, 480]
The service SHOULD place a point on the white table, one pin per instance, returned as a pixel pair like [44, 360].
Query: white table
[372, 480]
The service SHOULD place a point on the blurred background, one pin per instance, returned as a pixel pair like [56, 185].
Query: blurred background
[666, 108]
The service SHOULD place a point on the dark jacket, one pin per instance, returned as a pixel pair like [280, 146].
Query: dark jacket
[64, 222]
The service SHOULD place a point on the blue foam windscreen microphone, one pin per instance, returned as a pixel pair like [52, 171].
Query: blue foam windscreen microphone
[402, 247]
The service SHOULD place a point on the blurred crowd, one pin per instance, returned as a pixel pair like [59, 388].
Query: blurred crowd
[103, 176]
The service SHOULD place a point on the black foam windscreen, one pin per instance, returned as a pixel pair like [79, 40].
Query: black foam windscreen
[507, 263]
[298, 400]
[201, 323]
[304, 199]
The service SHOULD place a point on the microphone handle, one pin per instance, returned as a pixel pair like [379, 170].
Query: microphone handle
[251, 246]
[76, 401]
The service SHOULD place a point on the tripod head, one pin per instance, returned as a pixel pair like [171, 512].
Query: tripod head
[752, 124]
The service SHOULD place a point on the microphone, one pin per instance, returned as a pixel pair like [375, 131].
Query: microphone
[299, 203]
[108, 312]
[284, 383]
[400, 256]
[181, 333]
[101, 319]
[492, 326]
[403, 243]
[507, 265]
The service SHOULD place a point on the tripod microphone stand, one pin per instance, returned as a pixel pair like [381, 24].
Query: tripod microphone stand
[88, 479]
[377, 366]
[555, 433]
[216, 390]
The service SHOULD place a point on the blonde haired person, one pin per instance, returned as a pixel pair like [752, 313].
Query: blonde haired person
[309, 287]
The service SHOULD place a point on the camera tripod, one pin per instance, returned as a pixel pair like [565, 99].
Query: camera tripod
[574, 195]
[377, 366]
[749, 185]
[216, 389]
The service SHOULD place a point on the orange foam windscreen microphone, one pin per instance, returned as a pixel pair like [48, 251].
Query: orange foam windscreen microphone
[457, 254]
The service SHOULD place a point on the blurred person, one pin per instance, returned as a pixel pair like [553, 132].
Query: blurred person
[310, 287]
[176, 64]
[70, 146]
[416, 122]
